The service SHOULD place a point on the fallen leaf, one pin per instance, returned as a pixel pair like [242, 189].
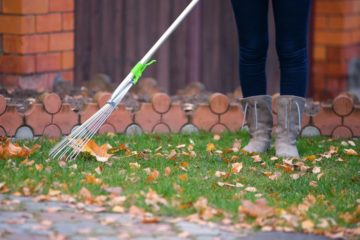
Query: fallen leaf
[150, 220]
[313, 184]
[307, 225]
[172, 155]
[90, 179]
[99, 152]
[351, 152]
[39, 167]
[153, 176]
[295, 176]
[236, 167]
[258, 209]
[183, 177]
[154, 200]
[210, 147]
[217, 137]
[316, 170]
[85, 193]
[319, 176]
[220, 174]
[136, 211]
[134, 165]
[167, 171]
[250, 189]
[257, 158]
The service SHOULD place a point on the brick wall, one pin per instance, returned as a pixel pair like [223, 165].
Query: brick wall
[37, 42]
[336, 41]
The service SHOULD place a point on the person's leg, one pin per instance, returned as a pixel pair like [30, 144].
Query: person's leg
[292, 21]
[252, 23]
[251, 19]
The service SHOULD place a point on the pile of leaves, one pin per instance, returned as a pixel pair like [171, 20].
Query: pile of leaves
[200, 178]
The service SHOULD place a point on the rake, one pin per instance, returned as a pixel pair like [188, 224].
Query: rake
[72, 145]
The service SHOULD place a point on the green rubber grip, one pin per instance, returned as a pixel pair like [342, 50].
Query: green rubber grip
[139, 69]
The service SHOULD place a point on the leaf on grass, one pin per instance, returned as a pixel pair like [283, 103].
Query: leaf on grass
[236, 185]
[274, 176]
[295, 176]
[85, 194]
[259, 209]
[351, 152]
[90, 179]
[313, 184]
[316, 170]
[167, 171]
[172, 155]
[220, 174]
[134, 165]
[307, 225]
[184, 164]
[153, 176]
[257, 158]
[153, 199]
[236, 145]
[236, 167]
[39, 167]
[183, 177]
[217, 137]
[250, 189]
[99, 152]
[9, 149]
[210, 147]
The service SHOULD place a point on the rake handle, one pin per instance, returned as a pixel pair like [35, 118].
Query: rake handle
[128, 80]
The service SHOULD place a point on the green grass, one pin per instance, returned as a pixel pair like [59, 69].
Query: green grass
[337, 192]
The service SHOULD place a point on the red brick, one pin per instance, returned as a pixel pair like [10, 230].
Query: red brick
[11, 120]
[233, 119]
[61, 41]
[68, 60]
[218, 128]
[343, 104]
[106, 128]
[101, 98]
[26, 43]
[333, 7]
[62, 5]
[326, 120]
[66, 119]
[48, 62]
[52, 131]
[332, 38]
[37, 118]
[68, 21]
[17, 24]
[319, 53]
[161, 128]
[48, 23]
[89, 110]
[147, 118]
[219, 103]
[342, 132]
[203, 118]
[120, 119]
[25, 6]
[175, 118]
[52, 102]
[17, 64]
[68, 75]
[161, 102]
[352, 121]
[3, 104]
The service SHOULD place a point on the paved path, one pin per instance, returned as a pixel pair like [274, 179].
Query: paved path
[23, 218]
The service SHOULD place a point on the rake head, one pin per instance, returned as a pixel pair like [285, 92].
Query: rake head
[71, 146]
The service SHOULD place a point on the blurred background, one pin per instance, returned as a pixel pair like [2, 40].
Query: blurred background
[44, 42]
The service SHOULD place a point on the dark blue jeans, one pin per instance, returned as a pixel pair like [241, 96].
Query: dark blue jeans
[291, 23]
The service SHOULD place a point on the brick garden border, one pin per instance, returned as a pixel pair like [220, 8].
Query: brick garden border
[50, 117]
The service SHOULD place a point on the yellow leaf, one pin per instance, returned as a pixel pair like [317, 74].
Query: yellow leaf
[210, 147]
[350, 152]
[134, 165]
[310, 158]
[90, 179]
[99, 152]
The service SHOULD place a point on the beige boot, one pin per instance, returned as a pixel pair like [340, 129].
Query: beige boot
[290, 109]
[258, 116]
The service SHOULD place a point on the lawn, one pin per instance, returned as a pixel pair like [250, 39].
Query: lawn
[205, 177]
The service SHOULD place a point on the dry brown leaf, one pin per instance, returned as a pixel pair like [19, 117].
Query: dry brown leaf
[90, 179]
[295, 176]
[85, 194]
[351, 152]
[167, 171]
[307, 225]
[136, 211]
[259, 209]
[184, 164]
[99, 152]
[39, 167]
[183, 177]
[154, 200]
[316, 170]
[257, 158]
[153, 176]
[217, 137]
[220, 174]
[150, 220]
[313, 184]
[236, 167]
[172, 155]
